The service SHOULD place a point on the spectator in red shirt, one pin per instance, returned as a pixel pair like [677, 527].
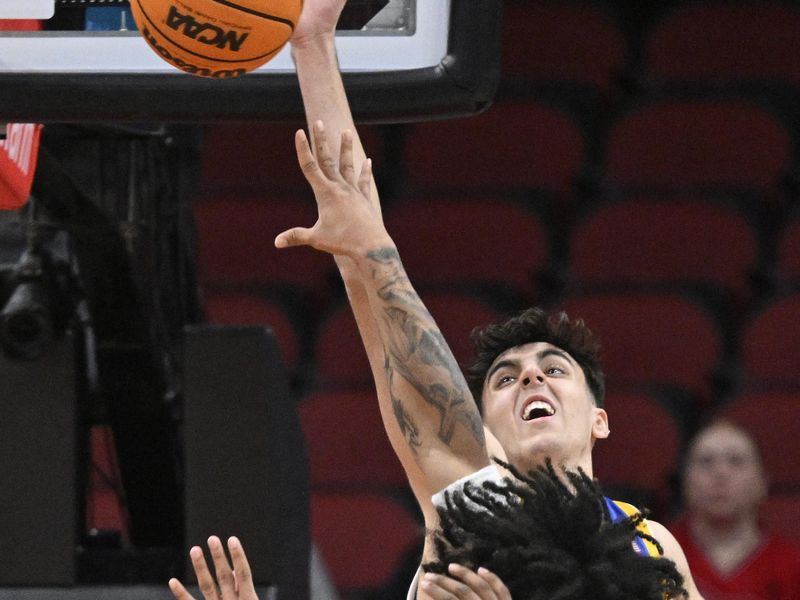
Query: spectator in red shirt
[731, 557]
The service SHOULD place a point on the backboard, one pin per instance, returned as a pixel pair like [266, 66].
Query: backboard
[402, 60]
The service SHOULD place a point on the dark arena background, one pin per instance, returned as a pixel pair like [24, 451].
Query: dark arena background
[169, 375]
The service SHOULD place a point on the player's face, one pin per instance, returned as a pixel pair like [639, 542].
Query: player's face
[724, 479]
[537, 404]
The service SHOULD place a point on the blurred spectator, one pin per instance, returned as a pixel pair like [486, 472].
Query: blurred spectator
[730, 555]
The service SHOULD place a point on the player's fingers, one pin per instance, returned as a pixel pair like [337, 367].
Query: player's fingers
[365, 179]
[177, 589]
[241, 570]
[500, 589]
[476, 583]
[222, 568]
[446, 588]
[204, 579]
[298, 236]
[483, 582]
[322, 151]
[306, 159]
[432, 590]
[346, 168]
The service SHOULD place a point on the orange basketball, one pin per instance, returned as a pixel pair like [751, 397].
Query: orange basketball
[216, 38]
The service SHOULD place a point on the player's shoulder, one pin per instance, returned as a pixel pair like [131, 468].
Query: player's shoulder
[664, 537]
[674, 552]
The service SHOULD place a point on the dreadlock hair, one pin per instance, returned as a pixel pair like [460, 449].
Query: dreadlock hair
[550, 539]
[535, 325]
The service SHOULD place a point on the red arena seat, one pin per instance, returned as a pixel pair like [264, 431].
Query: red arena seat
[725, 43]
[339, 355]
[788, 261]
[362, 538]
[347, 443]
[644, 444]
[256, 159]
[562, 43]
[236, 238]
[234, 308]
[642, 241]
[770, 352]
[470, 242]
[773, 418]
[652, 339]
[511, 146]
[718, 144]
[457, 315]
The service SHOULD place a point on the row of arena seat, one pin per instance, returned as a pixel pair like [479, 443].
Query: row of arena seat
[353, 467]
[725, 144]
[663, 339]
[700, 259]
[349, 450]
[708, 43]
[640, 240]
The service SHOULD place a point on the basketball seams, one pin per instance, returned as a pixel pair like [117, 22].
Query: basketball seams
[254, 12]
[260, 57]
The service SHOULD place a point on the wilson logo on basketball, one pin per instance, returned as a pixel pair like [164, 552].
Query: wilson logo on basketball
[205, 33]
[188, 67]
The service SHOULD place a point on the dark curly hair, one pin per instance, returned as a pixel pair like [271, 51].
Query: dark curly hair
[547, 539]
[535, 325]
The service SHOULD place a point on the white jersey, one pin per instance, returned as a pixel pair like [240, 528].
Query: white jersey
[488, 473]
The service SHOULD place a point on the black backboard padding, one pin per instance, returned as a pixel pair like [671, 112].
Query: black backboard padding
[463, 83]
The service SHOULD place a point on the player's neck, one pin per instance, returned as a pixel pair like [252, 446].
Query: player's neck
[560, 463]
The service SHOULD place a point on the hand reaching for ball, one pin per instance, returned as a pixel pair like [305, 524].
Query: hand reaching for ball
[348, 223]
[319, 17]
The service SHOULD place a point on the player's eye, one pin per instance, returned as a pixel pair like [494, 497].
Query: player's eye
[504, 379]
[555, 370]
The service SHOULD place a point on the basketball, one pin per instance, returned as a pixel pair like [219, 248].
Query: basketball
[216, 38]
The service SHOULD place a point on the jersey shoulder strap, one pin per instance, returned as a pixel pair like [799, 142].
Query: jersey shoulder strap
[621, 510]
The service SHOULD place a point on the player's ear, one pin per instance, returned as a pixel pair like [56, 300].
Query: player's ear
[600, 429]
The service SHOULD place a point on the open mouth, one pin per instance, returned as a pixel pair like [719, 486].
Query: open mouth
[537, 409]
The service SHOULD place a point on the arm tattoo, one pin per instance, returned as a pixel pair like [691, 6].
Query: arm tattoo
[416, 350]
[408, 428]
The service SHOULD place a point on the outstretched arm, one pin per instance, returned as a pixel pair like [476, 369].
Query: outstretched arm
[428, 399]
[314, 53]
[324, 98]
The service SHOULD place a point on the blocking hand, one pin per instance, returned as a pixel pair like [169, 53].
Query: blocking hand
[348, 223]
[231, 583]
[319, 17]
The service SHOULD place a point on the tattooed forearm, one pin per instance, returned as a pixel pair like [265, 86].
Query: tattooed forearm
[408, 428]
[415, 349]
